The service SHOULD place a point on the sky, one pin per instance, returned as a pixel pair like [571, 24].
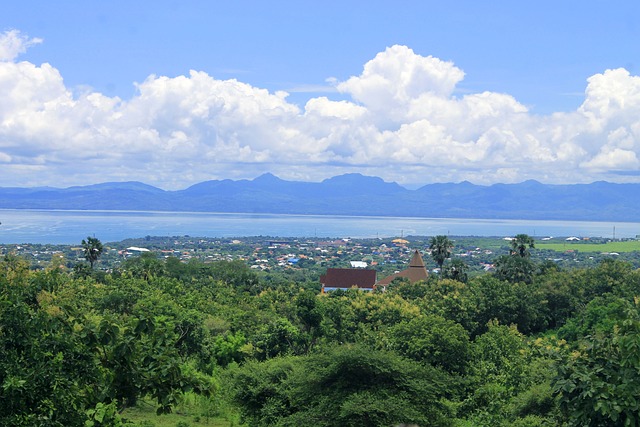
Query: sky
[172, 93]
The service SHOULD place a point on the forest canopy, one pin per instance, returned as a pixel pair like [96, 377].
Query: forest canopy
[527, 345]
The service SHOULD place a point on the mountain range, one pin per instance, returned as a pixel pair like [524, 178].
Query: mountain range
[349, 194]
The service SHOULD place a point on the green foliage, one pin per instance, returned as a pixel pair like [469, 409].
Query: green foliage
[76, 348]
[278, 337]
[440, 247]
[452, 300]
[307, 310]
[567, 292]
[521, 244]
[228, 348]
[598, 384]
[432, 339]
[407, 290]
[341, 386]
[601, 315]
[259, 390]
[537, 401]
[500, 357]
[509, 380]
[515, 269]
[146, 266]
[103, 415]
[138, 358]
[92, 249]
[456, 270]
[44, 368]
[235, 274]
[61, 363]
[508, 303]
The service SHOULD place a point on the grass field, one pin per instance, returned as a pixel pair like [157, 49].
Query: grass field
[619, 247]
[145, 415]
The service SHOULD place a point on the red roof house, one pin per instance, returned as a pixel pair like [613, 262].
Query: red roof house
[347, 278]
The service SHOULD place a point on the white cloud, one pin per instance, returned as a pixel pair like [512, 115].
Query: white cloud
[12, 44]
[404, 122]
[339, 109]
[610, 97]
[613, 159]
[396, 77]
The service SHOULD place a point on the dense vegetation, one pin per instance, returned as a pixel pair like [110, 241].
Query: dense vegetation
[527, 345]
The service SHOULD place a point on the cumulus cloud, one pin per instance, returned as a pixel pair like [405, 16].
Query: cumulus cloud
[397, 79]
[403, 121]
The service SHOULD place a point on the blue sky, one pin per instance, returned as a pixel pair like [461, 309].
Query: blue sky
[172, 93]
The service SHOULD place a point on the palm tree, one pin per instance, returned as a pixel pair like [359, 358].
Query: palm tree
[521, 244]
[92, 249]
[440, 249]
[456, 270]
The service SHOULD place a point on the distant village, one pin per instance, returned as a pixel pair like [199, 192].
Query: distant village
[313, 259]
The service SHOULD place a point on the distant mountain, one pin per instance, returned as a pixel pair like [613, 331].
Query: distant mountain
[350, 194]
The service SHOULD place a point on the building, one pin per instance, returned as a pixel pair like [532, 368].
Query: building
[347, 278]
[358, 264]
[415, 273]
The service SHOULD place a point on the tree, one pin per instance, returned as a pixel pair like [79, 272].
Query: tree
[457, 270]
[353, 385]
[92, 249]
[348, 385]
[309, 314]
[515, 269]
[431, 339]
[276, 338]
[452, 300]
[44, 366]
[509, 381]
[598, 384]
[440, 249]
[509, 303]
[146, 266]
[521, 244]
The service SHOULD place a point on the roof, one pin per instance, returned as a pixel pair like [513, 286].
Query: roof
[348, 277]
[415, 273]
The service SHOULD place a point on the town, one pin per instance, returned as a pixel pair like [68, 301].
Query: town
[306, 259]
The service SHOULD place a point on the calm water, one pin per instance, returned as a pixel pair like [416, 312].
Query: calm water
[69, 227]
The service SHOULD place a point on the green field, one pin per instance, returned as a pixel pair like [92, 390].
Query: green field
[146, 417]
[608, 247]
[190, 412]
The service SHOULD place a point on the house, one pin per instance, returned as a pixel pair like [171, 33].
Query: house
[358, 264]
[415, 273]
[347, 278]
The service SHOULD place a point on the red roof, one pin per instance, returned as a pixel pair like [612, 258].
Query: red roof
[348, 277]
[415, 273]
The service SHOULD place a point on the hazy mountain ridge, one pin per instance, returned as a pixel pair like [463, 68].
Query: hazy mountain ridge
[350, 194]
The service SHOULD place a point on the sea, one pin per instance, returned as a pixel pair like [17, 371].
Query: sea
[70, 227]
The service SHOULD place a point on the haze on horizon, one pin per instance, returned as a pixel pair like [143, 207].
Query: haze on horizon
[178, 94]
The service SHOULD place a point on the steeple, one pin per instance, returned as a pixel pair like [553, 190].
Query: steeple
[415, 273]
[416, 260]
